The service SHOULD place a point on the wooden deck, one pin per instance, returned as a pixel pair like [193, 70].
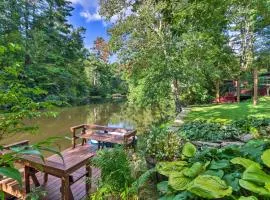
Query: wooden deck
[53, 184]
[78, 189]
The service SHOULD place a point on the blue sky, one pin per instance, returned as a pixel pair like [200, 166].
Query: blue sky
[86, 15]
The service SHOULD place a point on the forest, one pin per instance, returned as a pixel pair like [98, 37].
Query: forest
[169, 55]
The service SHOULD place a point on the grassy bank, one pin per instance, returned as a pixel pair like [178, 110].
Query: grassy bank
[228, 112]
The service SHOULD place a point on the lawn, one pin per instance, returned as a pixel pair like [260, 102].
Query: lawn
[228, 112]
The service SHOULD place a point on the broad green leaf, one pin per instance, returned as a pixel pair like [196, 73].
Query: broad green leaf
[244, 162]
[11, 173]
[254, 188]
[210, 187]
[219, 173]
[248, 198]
[183, 196]
[167, 197]
[220, 164]
[256, 175]
[162, 187]
[178, 181]
[194, 170]
[266, 157]
[189, 150]
[166, 168]
[232, 180]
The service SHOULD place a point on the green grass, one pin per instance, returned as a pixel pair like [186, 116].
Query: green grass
[229, 112]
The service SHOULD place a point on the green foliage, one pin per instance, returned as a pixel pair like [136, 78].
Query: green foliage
[115, 172]
[216, 173]
[162, 144]
[210, 187]
[266, 158]
[215, 131]
[208, 131]
[188, 150]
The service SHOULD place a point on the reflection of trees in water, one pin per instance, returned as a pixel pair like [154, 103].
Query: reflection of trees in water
[120, 115]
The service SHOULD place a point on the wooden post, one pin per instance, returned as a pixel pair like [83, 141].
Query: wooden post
[88, 178]
[65, 189]
[27, 179]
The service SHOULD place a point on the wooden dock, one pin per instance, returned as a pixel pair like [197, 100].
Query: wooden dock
[74, 169]
[78, 189]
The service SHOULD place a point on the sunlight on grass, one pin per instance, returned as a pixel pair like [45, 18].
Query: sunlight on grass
[228, 112]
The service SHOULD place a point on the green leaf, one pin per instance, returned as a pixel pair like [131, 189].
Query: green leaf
[183, 196]
[32, 152]
[254, 188]
[166, 168]
[194, 170]
[167, 197]
[256, 175]
[266, 157]
[11, 173]
[244, 162]
[220, 164]
[218, 173]
[178, 181]
[209, 187]
[248, 198]
[232, 180]
[162, 187]
[189, 150]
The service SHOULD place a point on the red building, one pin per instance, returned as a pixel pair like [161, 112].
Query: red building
[228, 90]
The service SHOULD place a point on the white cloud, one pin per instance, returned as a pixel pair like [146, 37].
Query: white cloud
[91, 16]
[86, 4]
[91, 12]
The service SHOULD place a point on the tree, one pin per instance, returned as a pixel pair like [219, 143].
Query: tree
[167, 46]
[248, 22]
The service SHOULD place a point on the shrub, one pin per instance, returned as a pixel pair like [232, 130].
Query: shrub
[115, 172]
[162, 143]
[228, 172]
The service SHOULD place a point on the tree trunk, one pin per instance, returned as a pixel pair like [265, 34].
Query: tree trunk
[255, 86]
[268, 90]
[217, 91]
[238, 89]
[177, 102]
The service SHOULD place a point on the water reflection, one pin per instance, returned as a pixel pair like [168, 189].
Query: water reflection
[109, 114]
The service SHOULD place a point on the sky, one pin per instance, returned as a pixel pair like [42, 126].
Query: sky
[86, 14]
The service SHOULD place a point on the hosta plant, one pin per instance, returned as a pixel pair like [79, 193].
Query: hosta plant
[227, 173]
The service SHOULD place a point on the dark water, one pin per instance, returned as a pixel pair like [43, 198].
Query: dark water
[109, 114]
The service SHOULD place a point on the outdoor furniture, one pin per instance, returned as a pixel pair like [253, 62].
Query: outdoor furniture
[103, 135]
[73, 160]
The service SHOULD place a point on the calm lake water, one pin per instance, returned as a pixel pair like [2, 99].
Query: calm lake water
[116, 114]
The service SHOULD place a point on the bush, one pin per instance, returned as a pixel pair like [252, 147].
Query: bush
[219, 173]
[115, 168]
[162, 144]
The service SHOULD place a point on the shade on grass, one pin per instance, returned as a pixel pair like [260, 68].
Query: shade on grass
[229, 112]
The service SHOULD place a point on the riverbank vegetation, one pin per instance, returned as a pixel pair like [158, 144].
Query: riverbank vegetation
[169, 54]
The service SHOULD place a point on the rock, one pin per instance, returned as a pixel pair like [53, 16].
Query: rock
[246, 138]
[223, 144]
[209, 144]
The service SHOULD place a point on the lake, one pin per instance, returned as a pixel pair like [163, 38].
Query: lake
[115, 114]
